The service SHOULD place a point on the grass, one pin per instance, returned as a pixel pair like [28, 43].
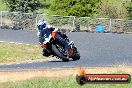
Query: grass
[54, 78]
[17, 52]
[67, 82]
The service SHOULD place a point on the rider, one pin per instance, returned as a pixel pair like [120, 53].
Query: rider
[44, 32]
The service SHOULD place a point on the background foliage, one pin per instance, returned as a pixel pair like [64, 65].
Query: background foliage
[81, 8]
[129, 9]
[23, 5]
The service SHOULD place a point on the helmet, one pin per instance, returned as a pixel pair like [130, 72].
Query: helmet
[41, 24]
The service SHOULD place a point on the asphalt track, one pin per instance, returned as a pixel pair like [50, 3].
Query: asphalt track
[96, 49]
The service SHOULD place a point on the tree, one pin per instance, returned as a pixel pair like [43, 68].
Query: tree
[129, 10]
[112, 9]
[74, 7]
[23, 5]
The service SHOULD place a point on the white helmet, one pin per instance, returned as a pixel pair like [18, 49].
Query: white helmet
[41, 24]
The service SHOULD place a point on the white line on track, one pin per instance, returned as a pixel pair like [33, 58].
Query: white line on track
[19, 43]
[2, 41]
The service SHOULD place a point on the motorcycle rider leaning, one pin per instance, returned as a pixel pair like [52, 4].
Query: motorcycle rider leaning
[44, 32]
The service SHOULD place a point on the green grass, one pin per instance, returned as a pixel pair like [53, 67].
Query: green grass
[17, 53]
[68, 82]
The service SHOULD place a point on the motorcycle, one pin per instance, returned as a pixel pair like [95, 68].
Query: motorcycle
[54, 48]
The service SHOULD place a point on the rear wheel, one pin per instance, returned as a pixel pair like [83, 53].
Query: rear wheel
[76, 54]
[76, 57]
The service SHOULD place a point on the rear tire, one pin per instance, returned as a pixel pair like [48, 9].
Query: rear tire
[76, 57]
[56, 51]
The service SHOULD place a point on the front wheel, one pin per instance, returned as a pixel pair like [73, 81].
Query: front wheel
[45, 53]
[58, 54]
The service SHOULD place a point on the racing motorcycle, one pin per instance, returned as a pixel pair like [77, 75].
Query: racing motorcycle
[54, 48]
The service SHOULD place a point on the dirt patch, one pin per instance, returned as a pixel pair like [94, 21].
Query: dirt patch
[27, 74]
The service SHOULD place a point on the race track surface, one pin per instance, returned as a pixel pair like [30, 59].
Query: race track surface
[96, 49]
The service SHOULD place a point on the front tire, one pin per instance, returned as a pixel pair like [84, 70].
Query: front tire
[58, 54]
[45, 53]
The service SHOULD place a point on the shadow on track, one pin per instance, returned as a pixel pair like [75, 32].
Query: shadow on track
[60, 61]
